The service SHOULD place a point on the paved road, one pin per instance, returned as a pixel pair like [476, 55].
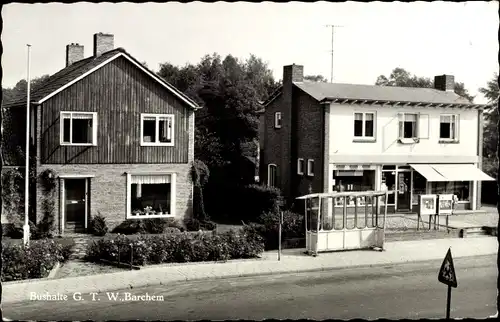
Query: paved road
[396, 292]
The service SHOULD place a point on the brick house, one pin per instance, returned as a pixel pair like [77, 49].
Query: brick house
[118, 138]
[326, 137]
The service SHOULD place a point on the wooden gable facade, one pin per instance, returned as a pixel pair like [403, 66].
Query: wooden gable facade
[118, 92]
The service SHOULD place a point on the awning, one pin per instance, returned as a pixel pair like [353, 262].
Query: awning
[429, 172]
[451, 172]
[462, 172]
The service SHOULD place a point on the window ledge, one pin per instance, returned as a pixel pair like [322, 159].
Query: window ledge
[150, 216]
[78, 144]
[365, 140]
[409, 140]
[448, 141]
[156, 144]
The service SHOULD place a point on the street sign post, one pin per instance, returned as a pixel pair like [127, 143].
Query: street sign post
[447, 276]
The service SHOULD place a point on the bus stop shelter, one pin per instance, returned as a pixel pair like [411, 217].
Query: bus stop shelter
[345, 220]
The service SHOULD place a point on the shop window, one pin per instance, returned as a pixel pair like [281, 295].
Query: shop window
[459, 188]
[419, 186]
[389, 184]
[362, 180]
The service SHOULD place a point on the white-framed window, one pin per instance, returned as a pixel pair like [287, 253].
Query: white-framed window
[277, 120]
[151, 195]
[364, 125]
[300, 166]
[157, 129]
[310, 167]
[448, 127]
[78, 128]
[408, 127]
[272, 174]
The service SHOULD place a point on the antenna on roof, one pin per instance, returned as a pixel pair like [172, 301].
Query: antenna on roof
[333, 31]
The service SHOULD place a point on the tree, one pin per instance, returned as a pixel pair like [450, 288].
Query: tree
[402, 78]
[316, 78]
[490, 133]
[229, 90]
[21, 87]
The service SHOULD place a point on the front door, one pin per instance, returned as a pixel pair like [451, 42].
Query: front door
[75, 204]
[403, 190]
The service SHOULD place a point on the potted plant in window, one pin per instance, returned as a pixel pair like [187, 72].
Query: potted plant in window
[148, 210]
[136, 212]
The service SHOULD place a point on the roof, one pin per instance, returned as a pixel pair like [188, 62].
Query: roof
[71, 74]
[321, 91]
[327, 92]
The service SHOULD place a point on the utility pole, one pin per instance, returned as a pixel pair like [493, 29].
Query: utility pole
[26, 230]
[333, 32]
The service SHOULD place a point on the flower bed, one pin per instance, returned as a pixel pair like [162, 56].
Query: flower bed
[175, 248]
[33, 261]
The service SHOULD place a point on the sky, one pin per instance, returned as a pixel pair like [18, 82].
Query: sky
[425, 38]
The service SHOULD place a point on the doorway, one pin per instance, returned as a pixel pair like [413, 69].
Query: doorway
[403, 191]
[75, 204]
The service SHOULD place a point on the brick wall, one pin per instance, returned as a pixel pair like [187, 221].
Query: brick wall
[108, 188]
[309, 140]
[276, 148]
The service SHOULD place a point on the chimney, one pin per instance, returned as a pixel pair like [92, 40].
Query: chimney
[74, 53]
[444, 83]
[103, 43]
[293, 73]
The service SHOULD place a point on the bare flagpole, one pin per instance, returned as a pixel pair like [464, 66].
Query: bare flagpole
[26, 230]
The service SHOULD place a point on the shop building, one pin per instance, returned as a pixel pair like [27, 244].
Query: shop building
[325, 137]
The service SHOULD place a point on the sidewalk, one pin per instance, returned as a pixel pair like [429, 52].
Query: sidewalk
[292, 261]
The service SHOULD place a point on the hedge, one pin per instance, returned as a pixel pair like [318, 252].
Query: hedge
[34, 261]
[147, 226]
[176, 248]
[267, 226]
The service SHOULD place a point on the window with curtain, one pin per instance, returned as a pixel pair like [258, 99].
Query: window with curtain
[151, 195]
[78, 128]
[448, 127]
[408, 126]
[157, 129]
[364, 125]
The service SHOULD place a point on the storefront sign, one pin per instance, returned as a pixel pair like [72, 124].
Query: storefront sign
[445, 204]
[427, 204]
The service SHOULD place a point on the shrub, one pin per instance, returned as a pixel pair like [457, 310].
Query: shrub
[98, 225]
[172, 230]
[147, 226]
[33, 261]
[176, 248]
[192, 224]
[258, 199]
